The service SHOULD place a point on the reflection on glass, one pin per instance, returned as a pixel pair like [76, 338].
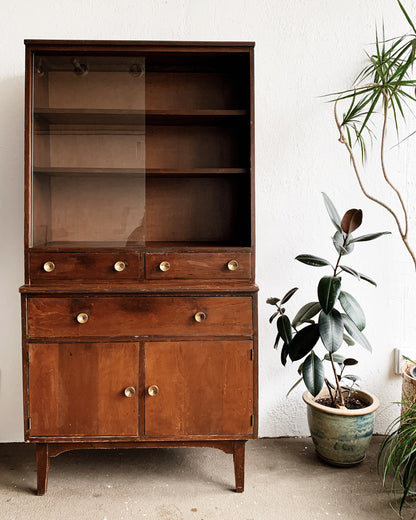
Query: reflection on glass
[88, 151]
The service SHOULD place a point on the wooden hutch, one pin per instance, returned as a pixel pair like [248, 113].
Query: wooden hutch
[139, 307]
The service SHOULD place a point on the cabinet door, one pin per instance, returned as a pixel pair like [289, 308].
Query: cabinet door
[203, 388]
[78, 389]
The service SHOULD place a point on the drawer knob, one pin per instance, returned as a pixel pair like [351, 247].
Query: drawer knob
[48, 267]
[129, 391]
[119, 266]
[153, 390]
[164, 266]
[82, 317]
[232, 265]
[200, 316]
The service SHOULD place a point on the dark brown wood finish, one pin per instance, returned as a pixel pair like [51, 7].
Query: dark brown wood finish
[139, 169]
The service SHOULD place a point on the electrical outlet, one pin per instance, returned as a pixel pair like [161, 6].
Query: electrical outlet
[398, 357]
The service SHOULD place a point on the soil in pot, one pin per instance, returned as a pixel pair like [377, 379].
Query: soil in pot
[351, 403]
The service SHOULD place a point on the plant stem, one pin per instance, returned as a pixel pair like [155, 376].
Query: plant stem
[343, 140]
[330, 392]
[341, 397]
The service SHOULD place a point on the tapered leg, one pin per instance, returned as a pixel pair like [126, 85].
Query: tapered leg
[239, 450]
[42, 463]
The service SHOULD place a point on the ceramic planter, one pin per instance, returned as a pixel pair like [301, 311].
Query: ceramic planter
[341, 437]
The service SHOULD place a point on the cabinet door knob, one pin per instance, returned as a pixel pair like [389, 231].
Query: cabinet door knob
[129, 391]
[119, 266]
[232, 265]
[164, 266]
[153, 390]
[200, 316]
[82, 317]
[48, 267]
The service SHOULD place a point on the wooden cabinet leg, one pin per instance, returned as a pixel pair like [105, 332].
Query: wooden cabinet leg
[42, 463]
[239, 450]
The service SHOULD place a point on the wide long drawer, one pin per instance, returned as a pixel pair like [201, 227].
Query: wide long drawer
[47, 266]
[139, 316]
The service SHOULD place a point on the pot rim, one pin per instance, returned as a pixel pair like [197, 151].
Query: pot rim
[371, 398]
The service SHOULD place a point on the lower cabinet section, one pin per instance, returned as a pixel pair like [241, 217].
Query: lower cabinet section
[189, 388]
[87, 389]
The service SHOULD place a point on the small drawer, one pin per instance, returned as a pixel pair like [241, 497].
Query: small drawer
[203, 266]
[84, 266]
[140, 316]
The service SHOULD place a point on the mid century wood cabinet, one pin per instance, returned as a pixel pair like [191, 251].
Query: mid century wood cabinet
[139, 305]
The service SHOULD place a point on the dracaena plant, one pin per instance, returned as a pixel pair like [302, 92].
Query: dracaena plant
[334, 319]
[382, 94]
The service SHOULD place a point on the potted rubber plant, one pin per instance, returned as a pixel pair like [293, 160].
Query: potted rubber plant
[340, 416]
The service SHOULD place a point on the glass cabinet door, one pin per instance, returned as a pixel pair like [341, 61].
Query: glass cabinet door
[88, 174]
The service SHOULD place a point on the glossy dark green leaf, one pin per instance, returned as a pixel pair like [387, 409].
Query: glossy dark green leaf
[284, 353]
[331, 329]
[367, 279]
[352, 309]
[285, 329]
[276, 342]
[351, 220]
[329, 288]
[349, 362]
[288, 295]
[303, 342]
[371, 236]
[355, 333]
[315, 261]
[350, 270]
[332, 212]
[313, 374]
[272, 301]
[273, 316]
[306, 312]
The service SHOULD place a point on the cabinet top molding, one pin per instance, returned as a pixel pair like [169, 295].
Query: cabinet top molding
[133, 43]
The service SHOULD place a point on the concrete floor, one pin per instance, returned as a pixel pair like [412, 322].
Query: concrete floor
[284, 481]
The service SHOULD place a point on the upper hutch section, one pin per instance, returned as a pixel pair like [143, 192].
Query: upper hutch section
[133, 144]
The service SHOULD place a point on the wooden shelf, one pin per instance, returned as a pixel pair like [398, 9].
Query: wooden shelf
[152, 172]
[75, 116]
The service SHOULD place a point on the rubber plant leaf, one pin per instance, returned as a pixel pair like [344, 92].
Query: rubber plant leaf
[313, 374]
[355, 333]
[306, 312]
[352, 309]
[288, 295]
[351, 220]
[285, 329]
[331, 329]
[332, 212]
[371, 236]
[303, 342]
[312, 260]
[329, 288]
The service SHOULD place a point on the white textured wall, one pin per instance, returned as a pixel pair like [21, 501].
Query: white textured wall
[304, 48]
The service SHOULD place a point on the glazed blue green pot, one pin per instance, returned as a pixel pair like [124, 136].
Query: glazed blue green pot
[341, 437]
